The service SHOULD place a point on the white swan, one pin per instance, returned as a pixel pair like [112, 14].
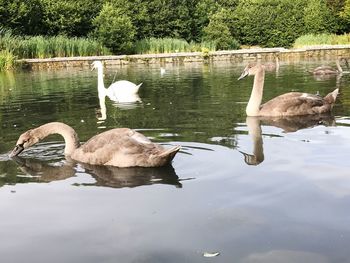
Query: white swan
[288, 104]
[121, 91]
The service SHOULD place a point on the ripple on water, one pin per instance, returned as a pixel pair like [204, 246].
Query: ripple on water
[45, 151]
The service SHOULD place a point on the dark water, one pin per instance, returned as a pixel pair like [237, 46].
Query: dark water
[250, 189]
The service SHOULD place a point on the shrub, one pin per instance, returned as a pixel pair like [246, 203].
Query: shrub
[70, 18]
[219, 32]
[269, 23]
[114, 29]
[318, 18]
[24, 17]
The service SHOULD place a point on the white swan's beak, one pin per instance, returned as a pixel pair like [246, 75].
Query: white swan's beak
[244, 74]
[17, 150]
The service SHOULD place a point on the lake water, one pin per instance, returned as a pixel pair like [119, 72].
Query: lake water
[248, 189]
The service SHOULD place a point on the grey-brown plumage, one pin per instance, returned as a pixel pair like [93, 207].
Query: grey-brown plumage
[121, 147]
[289, 104]
[328, 70]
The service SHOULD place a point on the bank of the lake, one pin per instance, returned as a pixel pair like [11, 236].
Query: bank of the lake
[260, 54]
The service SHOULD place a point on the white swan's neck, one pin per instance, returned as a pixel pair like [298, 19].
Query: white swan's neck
[254, 102]
[70, 136]
[100, 83]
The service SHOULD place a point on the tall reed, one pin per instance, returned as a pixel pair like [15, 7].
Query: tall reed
[170, 45]
[48, 47]
[322, 39]
[7, 60]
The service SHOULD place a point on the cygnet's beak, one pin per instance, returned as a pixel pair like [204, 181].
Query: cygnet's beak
[244, 74]
[16, 151]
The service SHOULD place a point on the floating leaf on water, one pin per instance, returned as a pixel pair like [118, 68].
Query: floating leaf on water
[210, 254]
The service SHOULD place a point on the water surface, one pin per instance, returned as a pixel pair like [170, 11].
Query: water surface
[251, 189]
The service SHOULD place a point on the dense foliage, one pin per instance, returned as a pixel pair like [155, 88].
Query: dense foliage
[114, 28]
[119, 24]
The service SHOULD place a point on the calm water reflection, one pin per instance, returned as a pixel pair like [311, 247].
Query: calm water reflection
[289, 204]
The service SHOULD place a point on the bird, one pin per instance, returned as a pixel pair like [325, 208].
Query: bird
[119, 147]
[272, 66]
[288, 104]
[328, 70]
[120, 91]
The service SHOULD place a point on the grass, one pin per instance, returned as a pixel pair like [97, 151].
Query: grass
[49, 47]
[7, 60]
[321, 39]
[170, 45]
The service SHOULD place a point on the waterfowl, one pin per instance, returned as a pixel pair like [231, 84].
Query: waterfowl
[120, 147]
[272, 66]
[328, 70]
[120, 91]
[288, 104]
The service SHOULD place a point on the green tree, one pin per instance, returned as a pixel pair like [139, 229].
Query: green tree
[318, 18]
[114, 29]
[219, 31]
[203, 10]
[137, 11]
[268, 23]
[71, 18]
[345, 15]
[158, 18]
[336, 7]
[24, 17]
[170, 18]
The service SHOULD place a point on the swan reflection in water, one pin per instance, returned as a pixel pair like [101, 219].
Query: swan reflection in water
[131, 102]
[107, 176]
[287, 124]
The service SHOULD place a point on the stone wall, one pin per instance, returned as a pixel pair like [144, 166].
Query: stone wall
[257, 54]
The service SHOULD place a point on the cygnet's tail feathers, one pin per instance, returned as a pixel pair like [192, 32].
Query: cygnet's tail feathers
[170, 153]
[331, 97]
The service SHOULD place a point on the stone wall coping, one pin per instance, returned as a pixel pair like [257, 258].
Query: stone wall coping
[189, 54]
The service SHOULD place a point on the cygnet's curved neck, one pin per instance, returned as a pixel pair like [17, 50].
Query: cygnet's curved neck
[68, 133]
[254, 102]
